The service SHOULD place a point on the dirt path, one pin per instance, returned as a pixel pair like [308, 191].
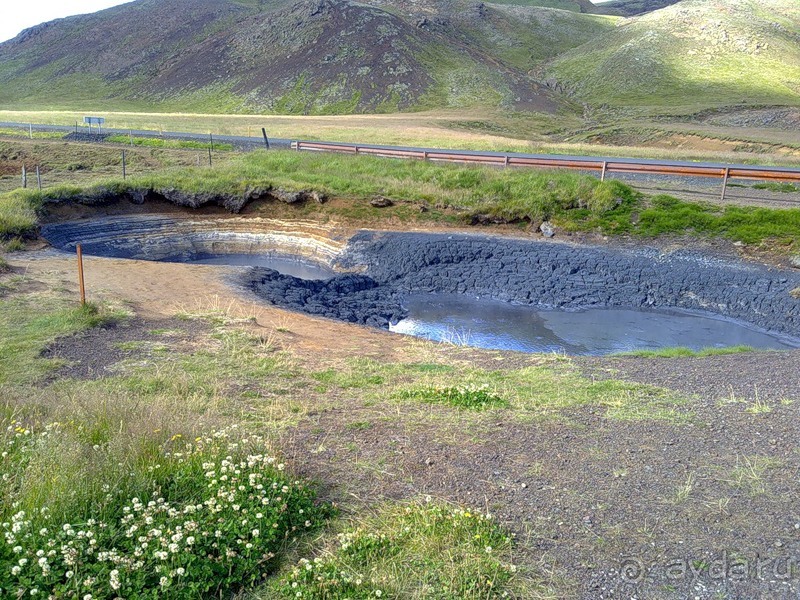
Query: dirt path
[156, 290]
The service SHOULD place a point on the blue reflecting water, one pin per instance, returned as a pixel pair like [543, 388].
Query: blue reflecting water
[498, 325]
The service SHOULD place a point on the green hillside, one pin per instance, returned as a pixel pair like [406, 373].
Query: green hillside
[630, 8]
[283, 56]
[694, 53]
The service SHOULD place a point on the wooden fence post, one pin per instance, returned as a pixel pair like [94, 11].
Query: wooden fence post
[24, 177]
[38, 178]
[124, 169]
[80, 274]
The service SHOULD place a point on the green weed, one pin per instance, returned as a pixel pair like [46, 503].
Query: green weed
[415, 550]
[467, 398]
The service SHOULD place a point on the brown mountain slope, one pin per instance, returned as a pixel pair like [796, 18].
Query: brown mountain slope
[311, 56]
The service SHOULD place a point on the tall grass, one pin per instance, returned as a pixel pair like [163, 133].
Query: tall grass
[27, 325]
[17, 214]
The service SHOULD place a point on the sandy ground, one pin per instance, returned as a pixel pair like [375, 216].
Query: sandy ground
[156, 290]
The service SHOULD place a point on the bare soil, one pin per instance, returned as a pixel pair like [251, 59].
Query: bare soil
[601, 508]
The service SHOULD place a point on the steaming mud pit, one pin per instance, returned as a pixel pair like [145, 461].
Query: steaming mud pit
[486, 291]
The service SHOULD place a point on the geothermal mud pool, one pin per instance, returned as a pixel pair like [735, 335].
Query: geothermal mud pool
[486, 291]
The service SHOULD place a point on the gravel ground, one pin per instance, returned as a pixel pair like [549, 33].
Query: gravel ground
[602, 508]
[749, 376]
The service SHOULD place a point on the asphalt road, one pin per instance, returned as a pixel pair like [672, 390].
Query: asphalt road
[686, 187]
[285, 143]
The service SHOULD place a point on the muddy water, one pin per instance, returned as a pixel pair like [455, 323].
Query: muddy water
[283, 264]
[498, 325]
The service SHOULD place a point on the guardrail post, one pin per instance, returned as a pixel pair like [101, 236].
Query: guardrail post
[30, 130]
[24, 177]
[124, 170]
[603, 172]
[506, 161]
[209, 156]
[725, 182]
[266, 139]
[38, 178]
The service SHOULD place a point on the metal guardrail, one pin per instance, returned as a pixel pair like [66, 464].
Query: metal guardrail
[600, 165]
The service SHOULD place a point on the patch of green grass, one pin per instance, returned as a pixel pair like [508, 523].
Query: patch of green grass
[168, 143]
[411, 550]
[27, 325]
[17, 214]
[466, 398]
[543, 391]
[777, 186]
[681, 352]
[37, 135]
[746, 224]
[750, 473]
[359, 426]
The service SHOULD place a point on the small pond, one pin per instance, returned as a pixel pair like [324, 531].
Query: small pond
[497, 325]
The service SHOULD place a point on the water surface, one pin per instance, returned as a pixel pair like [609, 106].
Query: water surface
[283, 264]
[498, 325]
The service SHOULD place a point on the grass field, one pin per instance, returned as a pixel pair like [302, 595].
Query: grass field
[479, 129]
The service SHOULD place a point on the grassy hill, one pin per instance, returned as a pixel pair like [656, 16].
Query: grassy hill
[693, 53]
[630, 8]
[282, 56]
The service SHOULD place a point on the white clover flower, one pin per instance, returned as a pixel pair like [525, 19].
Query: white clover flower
[16, 570]
[180, 571]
